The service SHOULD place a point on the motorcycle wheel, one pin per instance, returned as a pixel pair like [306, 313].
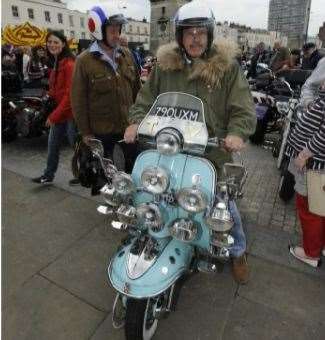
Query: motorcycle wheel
[276, 148]
[286, 187]
[140, 323]
[9, 132]
[259, 134]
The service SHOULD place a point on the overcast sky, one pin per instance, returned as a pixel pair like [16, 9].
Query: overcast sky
[253, 13]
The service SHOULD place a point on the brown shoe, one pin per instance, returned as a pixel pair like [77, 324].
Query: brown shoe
[240, 269]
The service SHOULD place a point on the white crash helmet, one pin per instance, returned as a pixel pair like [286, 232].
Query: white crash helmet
[101, 16]
[193, 14]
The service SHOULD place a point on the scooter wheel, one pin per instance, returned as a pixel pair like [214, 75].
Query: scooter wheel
[286, 188]
[259, 134]
[140, 322]
[276, 149]
[9, 134]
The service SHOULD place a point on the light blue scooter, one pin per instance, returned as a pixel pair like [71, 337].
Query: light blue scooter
[177, 215]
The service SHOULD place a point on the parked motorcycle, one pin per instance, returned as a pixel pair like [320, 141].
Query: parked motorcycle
[291, 112]
[24, 116]
[267, 92]
[177, 213]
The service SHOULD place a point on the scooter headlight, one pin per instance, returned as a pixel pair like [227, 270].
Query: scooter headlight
[126, 214]
[123, 183]
[183, 229]
[168, 142]
[110, 195]
[192, 200]
[149, 216]
[155, 180]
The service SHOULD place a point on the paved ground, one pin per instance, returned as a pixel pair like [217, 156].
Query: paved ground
[55, 249]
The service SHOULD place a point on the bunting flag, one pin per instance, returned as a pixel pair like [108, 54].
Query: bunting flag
[24, 35]
[28, 35]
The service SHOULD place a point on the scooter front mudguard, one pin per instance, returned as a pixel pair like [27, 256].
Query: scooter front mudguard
[170, 264]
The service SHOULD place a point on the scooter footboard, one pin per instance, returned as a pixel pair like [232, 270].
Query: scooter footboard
[171, 263]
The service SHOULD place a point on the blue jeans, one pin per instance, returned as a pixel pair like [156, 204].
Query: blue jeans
[56, 135]
[237, 232]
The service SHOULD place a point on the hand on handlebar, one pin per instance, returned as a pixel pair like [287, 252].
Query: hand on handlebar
[130, 133]
[233, 143]
[86, 138]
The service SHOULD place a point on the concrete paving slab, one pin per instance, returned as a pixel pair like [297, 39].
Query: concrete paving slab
[287, 291]
[272, 245]
[35, 235]
[106, 331]
[41, 310]
[249, 320]
[83, 269]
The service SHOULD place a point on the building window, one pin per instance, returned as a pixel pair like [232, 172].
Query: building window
[146, 40]
[14, 10]
[72, 34]
[71, 20]
[145, 30]
[47, 16]
[82, 22]
[60, 18]
[130, 28]
[138, 29]
[83, 35]
[30, 12]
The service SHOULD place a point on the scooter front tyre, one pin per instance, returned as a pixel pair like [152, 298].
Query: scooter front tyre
[140, 324]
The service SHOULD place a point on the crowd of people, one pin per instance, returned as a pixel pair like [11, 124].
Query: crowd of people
[100, 94]
[281, 58]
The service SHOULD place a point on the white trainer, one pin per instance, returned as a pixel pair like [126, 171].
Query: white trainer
[299, 253]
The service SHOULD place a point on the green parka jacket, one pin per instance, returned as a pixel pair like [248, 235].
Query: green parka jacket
[101, 97]
[217, 80]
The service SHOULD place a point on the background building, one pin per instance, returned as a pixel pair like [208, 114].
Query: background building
[52, 14]
[223, 30]
[246, 37]
[138, 33]
[290, 17]
[161, 26]
[321, 35]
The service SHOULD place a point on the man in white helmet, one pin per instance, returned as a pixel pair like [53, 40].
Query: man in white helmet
[105, 83]
[196, 65]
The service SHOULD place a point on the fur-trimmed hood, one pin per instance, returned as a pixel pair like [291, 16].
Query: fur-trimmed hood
[210, 70]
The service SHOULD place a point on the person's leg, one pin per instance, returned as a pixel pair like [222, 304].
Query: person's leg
[130, 152]
[237, 251]
[71, 131]
[237, 232]
[56, 136]
[108, 144]
[323, 250]
[312, 228]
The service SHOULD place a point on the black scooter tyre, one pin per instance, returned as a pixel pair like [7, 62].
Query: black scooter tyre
[8, 133]
[259, 134]
[135, 320]
[286, 188]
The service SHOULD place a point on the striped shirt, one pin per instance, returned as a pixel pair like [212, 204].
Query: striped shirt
[309, 132]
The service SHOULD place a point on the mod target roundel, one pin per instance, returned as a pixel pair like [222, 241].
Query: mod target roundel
[91, 25]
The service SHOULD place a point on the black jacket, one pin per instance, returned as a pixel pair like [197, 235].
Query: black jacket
[311, 62]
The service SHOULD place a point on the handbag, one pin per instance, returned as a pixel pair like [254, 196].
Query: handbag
[316, 191]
